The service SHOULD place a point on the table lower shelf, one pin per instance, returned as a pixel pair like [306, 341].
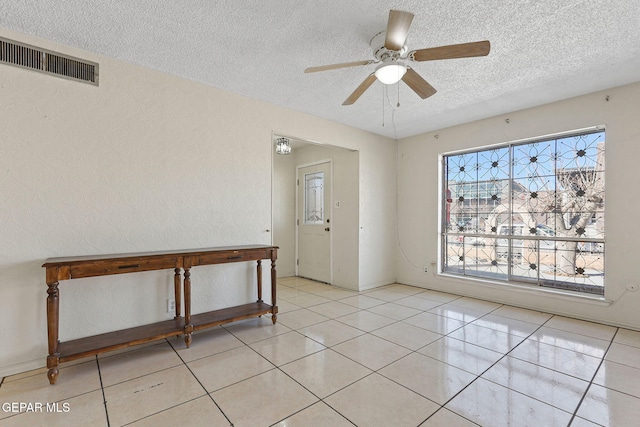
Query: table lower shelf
[96, 344]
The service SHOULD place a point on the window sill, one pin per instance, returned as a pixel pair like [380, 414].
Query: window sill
[556, 293]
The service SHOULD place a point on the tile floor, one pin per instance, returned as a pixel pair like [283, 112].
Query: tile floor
[392, 356]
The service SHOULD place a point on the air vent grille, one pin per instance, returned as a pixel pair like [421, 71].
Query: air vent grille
[45, 61]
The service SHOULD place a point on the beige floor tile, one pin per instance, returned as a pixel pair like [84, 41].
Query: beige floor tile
[263, 400]
[609, 408]
[406, 335]
[325, 372]
[365, 320]
[394, 311]
[301, 318]
[559, 359]
[487, 338]
[627, 337]
[443, 297]
[385, 294]
[530, 316]
[286, 348]
[330, 333]
[432, 322]
[206, 344]
[315, 288]
[582, 327]
[72, 381]
[362, 301]
[622, 378]
[405, 289]
[490, 404]
[486, 306]
[200, 412]
[371, 351]
[138, 398]
[463, 355]
[136, 363]
[318, 415]
[429, 377]
[624, 354]
[229, 367]
[286, 306]
[257, 329]
[337, 294]
[333, 309]
[289, 293]
[84, 410]
[571, 341]
[552, 387]
[418, 303]
[506, 325]
[308, 300]
[446, 418]
[378, 401]
[463, 314]
[581, 422]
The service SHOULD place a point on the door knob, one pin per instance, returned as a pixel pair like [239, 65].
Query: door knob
[327, 229]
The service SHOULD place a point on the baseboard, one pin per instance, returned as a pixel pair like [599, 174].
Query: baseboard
[19, 368]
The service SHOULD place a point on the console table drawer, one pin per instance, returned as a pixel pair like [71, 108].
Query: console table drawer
[233, 256]
[101, 268]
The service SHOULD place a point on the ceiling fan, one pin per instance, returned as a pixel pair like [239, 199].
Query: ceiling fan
[390, 51]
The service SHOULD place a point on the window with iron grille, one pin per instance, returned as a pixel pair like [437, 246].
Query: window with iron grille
[528, 212]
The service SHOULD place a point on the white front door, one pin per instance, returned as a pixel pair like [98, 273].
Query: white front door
[314, 224]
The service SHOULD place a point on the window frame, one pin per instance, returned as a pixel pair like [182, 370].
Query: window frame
[446, 200]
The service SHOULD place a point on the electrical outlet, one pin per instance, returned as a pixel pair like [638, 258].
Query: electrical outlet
[171, 305]
[426, 269]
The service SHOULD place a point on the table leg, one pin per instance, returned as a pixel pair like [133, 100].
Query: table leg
[53, 316]
[177, 292]
[274, 308]
[188, 327]
[259, 281]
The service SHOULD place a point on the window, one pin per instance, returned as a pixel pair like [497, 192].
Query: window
[528, 212]
[314, 198]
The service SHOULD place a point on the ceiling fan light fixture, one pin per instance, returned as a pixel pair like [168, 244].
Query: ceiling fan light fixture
[283, 146]
[390, 72]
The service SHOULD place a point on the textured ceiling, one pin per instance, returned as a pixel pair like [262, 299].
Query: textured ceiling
[541, 50]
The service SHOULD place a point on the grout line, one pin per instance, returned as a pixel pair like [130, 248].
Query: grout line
[199, 382]
[575, 412]
[104, 397]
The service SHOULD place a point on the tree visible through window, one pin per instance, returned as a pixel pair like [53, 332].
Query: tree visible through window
[528, 212]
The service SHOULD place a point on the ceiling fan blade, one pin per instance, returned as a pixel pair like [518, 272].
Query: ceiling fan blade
[335, 66]
[360, 89]
[418, 84]
[463, 50]
[397, 29]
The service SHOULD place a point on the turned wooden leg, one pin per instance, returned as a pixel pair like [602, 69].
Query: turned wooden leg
[259, 281]
[53, 313]
[274, 308]
[176, 292]
[188, 327]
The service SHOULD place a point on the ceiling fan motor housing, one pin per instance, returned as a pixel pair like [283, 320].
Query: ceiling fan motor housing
[380, 52]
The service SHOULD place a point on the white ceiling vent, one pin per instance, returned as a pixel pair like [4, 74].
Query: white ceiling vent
[45, 61]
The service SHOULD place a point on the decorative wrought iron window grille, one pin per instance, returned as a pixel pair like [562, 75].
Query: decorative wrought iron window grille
[528, 212]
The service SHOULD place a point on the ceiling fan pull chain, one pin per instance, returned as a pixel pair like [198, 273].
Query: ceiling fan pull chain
[398, 84]
[384, 87]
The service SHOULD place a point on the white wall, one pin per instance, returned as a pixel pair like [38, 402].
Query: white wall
[146, 161]
[418, 200]
[344, 220]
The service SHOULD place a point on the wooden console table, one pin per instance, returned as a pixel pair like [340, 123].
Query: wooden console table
[101, 265]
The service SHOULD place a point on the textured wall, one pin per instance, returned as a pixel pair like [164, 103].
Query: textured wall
[418, 200]
[145, 161]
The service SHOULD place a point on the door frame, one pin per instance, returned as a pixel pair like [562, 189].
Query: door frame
[298, 167]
